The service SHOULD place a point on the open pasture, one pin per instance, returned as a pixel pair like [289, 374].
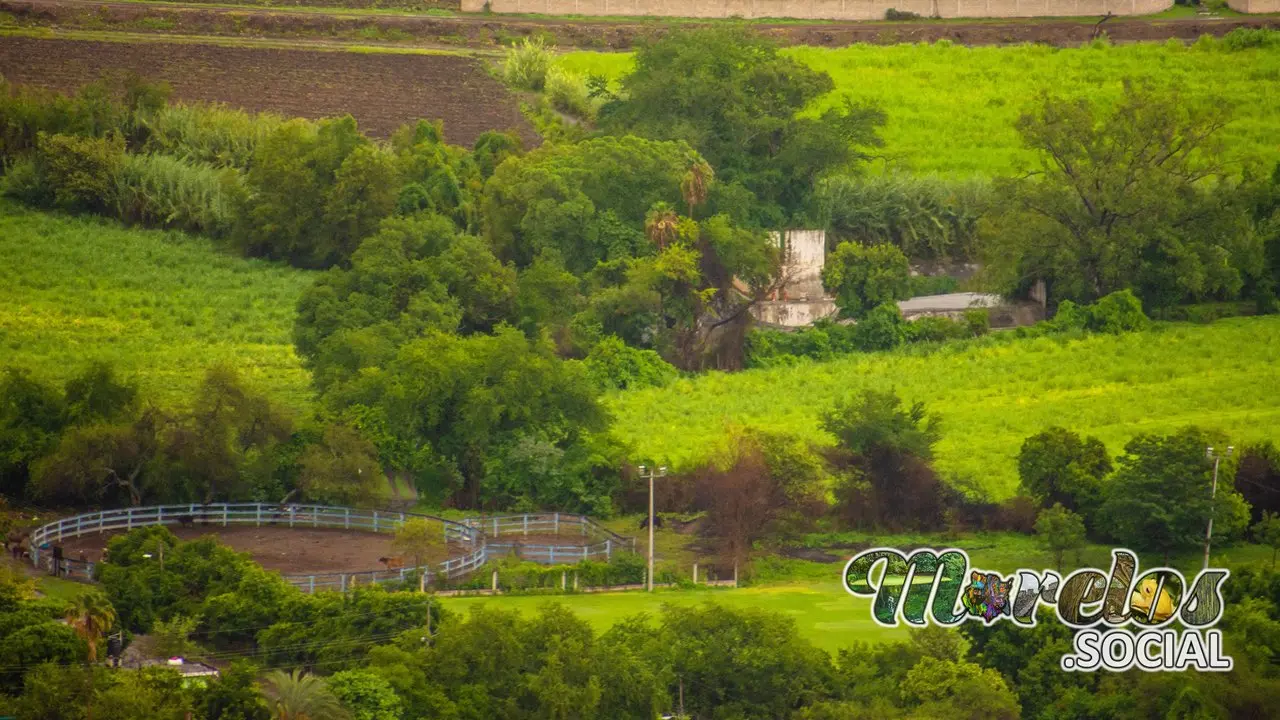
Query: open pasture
[991, 394]
[951, 108]
[161, 307]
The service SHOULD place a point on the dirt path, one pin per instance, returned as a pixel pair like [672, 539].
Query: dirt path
[284, 550]
[485, 32]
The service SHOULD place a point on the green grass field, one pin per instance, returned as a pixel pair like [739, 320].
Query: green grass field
[824, 613]
[160, 306]
[991, 394]
[951, 108]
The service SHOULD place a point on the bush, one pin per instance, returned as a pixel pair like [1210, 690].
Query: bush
[568, 93]
[977, 322]
[1246, 38]
[164, 191]
[882, 329]
[935, 329]
[527, 65]
[1118, 312]
[894, 14]
[613, 365]
[80, 172]
[23, 181]
[212, 134]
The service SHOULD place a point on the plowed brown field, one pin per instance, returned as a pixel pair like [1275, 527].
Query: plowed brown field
[382, 91]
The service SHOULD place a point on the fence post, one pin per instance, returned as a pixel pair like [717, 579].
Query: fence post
[128, 519]
[695, 573]
[551, 555]
[375, 521]
[564, 576]
[422, 580]
[258, 517]
[584, 552]
[557, 524]
[608, 550]
[495, 527]
[344, 582]
[735, 574]
[313, 584]
[225, 509]
[346, 520]
[495, 581]
[575, 581]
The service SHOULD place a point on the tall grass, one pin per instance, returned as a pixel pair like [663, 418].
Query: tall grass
[527, 64]
[160, 306]
[951, 108]
[992, 394]
[163, 191]
[213, 134]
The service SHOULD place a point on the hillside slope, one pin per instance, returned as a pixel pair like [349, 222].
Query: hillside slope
[951, 109]
[160, 306]
[992, 394]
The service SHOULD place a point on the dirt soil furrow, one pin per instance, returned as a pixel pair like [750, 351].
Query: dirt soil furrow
[381, 90]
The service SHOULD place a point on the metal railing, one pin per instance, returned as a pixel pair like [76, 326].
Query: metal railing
[473, 533]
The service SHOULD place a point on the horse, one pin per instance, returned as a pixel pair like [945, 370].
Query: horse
[392, 563]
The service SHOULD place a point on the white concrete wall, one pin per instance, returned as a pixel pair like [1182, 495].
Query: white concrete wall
[841, 9]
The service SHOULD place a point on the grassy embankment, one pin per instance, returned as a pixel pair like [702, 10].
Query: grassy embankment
[951, 109]
[160, 306]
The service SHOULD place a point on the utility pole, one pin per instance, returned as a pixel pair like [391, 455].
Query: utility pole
[1208, 533]
[649, 473]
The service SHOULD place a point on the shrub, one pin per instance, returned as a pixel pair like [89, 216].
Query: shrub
[865, 276]
[527, 65]
[213, 134]
[977, 322]
[613, 365]
[81, 172]
[894, 14]
[568, 93]
[882, 329]
[1245, 38]
[22, 181]
[935, 329]
[1118, 312]
[164, 191]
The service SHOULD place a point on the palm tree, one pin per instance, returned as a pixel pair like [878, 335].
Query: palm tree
[662, 224]
[696, 184]
[90, 615]
[298, 696]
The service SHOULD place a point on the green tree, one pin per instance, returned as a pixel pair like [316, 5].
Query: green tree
[731, 95]
[102, 462]
[299, 696]
[1059, 530]
[342, 469]
[233, 695]
[1159, 499]
[173, 636]
[417, 538]
[865, 276]
[366, 695]
[1124, 195]
[1267, 532]
[949, 688]
[91, 615]
[32, 415]
[98, 395]
[1058, 467]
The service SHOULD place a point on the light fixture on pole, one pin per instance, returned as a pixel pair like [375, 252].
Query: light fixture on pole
[650, 474]
[1217, 459]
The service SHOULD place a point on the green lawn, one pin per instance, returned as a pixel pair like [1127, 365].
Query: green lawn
[951, 108]
[825, 614]
[991, 394]
[160, 306]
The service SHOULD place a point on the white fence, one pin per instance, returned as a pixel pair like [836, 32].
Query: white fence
[474, 534]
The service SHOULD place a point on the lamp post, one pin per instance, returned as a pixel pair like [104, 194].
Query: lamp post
[650, 474]
[1217, 459]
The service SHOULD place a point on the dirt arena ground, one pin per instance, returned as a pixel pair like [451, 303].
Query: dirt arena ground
[285, 550]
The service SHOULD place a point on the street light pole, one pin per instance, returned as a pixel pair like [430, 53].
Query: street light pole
[1208, 533]
[651, 474]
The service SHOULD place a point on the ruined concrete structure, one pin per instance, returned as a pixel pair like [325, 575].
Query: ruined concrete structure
[801, 300]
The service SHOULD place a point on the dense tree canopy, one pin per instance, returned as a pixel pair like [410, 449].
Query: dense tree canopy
[729, 94]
